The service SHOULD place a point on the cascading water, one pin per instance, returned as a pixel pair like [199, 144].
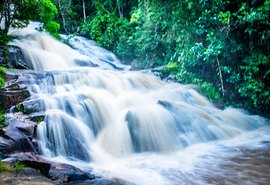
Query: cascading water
[128, 126]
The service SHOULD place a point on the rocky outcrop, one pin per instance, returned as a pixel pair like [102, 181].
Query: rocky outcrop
[15, 89]
[12, 95]
[17, 136]
[12, 57]
[27, 176]
[64, 173]
[18, 145]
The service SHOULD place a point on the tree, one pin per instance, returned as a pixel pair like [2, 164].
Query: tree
[17, 13]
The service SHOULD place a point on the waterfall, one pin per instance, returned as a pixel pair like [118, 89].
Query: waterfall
[100, 114]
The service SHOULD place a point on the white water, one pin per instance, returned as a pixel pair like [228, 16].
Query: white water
[127, 125]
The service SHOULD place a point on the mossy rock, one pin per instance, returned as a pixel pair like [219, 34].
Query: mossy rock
[9, 98]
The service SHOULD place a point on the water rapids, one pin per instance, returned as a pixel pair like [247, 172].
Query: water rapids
[133, 127]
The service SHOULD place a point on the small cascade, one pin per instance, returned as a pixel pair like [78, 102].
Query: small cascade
[97, 112]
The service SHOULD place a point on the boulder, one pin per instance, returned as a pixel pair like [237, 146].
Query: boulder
[13, 57]
[12, 95]
[43, 167]
[17, 136]
[27, 176]
[65, 173]
[29, 159]
[100, 181]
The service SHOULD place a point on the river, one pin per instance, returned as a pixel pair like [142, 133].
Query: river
[133, 127]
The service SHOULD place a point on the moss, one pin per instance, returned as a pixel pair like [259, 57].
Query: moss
[2, 75]
[19, 166]
[38, 119]
[4, 38]
[4, 167]
[2, 119]
[20, 108]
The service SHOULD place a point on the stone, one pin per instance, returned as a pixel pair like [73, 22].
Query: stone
[64, 173]
[27, 176]
[43, 167]
[13, 57]
[17, 136]
[102, 181]
[12, 96]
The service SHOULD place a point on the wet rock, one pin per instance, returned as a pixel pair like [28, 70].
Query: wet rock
[17, 136]
[31, 106]
[97, 181]
[16, 157]
[64, 173]
[37, 117]
[29, 159]
[12, 57]
[43, 167]
[10, 78]
[27, 176]
[83, 63]
[12, 95]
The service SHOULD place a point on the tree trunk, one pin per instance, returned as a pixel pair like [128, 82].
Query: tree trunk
[7, 18]
[84, 14]
[3, 15]
[220, 78]
[62, 15]
[120, 9]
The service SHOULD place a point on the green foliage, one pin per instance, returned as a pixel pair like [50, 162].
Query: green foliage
[4, 167]
[2, 83]
[2, 71]
[18, 13]
[2, 74]
[19, 166]
[255, 86]
[222, 46]
[47, 10]
[207, 89]
[2, 120]
[4, 38]
[105, 27]
[53, 28]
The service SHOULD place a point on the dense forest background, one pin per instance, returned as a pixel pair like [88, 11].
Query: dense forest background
[221, 46]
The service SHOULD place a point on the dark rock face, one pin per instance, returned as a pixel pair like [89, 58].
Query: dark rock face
[43, 167]
[97, 181]
[12, 57]
[64, 173]
[12, 95]
[17, 136]
[27, 176]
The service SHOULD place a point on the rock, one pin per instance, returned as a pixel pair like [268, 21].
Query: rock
[64, 173]
[12, 57]
[83, 63]
[99, 181]
[31, 106]
[10, 78]
[12, 95]
[37, 117]
[17, 136]
[28, 159]
[27, 176]
[43, 167]
[16, 157]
